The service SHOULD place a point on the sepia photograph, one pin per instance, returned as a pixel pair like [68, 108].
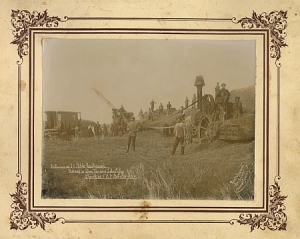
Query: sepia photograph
[163, 119]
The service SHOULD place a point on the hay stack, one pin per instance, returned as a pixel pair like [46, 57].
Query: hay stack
[247, 97]
[246, 124]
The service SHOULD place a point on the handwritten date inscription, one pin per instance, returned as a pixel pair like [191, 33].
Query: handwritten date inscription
[93, 171]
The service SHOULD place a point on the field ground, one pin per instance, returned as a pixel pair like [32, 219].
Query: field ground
[219, 170]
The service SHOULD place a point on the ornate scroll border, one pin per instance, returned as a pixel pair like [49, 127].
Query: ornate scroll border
[276, 22]
[22, 20]
[275, 219]
[21, 218]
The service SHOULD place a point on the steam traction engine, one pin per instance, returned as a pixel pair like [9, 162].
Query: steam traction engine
[207, 120]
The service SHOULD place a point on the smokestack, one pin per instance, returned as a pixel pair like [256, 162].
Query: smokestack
[199, 83]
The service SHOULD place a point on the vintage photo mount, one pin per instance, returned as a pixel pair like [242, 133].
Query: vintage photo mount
[26, 24]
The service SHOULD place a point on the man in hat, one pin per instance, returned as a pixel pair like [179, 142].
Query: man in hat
[179, 130]
[237, 108]
[224, 94]
[194, 101]
[132, 129]
[168, 108]
[141, 114]
[150, 115]
[217, 89]
[98, 129]
[152, 105]
[186, 102]
[182, 112]
[104, 131]
[161, 109]
[122, 110]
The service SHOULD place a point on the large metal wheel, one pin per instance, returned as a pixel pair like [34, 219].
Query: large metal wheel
[208, 104]
[194, 130]
[204, 128]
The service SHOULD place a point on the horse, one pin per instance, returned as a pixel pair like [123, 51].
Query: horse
[92, 128]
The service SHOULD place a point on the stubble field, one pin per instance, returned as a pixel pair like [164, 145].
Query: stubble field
[219, 170]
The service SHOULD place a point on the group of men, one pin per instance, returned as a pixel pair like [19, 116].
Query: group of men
[160, 109]
[179, 131]
[179, 128]
[221, 99]
[100, 131]
[221, 95]
[194, 100]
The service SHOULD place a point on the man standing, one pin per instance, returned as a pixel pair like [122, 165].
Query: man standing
[224, 94]
[141, 114]
[150, 116]
[111, 129]
[237, 108]
[152, 105]
[76, 132]
[179, 130]
[122, 110]
[97, 129]
[217, 89]
[194, 101]
[132, 129]
[168, 108]
[186, 102]
[161, 109]
[104, 130]
[182, 112]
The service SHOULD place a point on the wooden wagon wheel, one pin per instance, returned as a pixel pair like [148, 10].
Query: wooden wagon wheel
[203, 131]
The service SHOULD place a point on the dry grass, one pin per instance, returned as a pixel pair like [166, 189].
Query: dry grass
[204, 172]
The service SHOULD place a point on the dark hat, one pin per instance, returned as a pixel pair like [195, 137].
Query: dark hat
[223, 84]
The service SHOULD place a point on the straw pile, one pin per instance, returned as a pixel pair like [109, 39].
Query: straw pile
[247, 97]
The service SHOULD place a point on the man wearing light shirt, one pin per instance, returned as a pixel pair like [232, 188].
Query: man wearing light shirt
[179, 130]
[132, 129]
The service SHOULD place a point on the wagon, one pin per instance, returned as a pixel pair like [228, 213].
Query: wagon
[120, 120]
[60, 123]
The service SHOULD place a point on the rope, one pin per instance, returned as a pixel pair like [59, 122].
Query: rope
[178, 112]
[169, 127]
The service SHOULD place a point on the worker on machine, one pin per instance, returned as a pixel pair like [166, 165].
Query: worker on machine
[194, 101]
[161, 109]
[237, 108]
[168, 108]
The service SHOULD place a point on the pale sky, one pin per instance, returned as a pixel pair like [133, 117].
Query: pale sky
[133, 72]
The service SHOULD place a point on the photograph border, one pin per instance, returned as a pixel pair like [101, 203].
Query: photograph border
[274, 217]
[34, 32]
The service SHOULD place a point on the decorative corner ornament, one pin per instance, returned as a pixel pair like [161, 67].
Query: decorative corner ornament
[22, 20]
[275, 219]
[276, 22]
[21, 218]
